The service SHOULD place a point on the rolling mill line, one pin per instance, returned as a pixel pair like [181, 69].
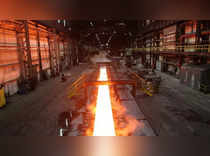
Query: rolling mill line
[130, 122]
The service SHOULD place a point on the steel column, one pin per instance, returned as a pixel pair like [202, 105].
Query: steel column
[50, 55]
[39, 52]
[28, 50]
[20, 53]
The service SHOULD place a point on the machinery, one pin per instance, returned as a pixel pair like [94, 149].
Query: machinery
[147, 80]
[105, 105]
[2, 97]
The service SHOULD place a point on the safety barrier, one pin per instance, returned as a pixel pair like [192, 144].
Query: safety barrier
[77, 86]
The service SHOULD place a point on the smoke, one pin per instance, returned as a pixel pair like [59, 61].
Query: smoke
[125, 124]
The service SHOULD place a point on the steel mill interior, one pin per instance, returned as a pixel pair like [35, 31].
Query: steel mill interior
[104, 77]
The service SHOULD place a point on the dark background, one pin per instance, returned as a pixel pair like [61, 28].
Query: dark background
[100, 9]
[117, 146]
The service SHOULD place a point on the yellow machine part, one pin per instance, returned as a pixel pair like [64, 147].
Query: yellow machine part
[2, 98]
[147, 89]
[76, 86]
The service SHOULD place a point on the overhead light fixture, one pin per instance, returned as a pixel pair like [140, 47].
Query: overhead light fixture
[122, 24]
[91, 23]
[64, 23]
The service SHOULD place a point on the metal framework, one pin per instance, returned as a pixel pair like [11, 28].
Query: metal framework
[176, 42]
[110, 83]
[29, 49]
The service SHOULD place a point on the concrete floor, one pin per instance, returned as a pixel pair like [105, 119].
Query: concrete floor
[36, 113]
[177, 110]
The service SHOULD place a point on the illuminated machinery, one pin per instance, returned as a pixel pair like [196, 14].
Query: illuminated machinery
[104, 113]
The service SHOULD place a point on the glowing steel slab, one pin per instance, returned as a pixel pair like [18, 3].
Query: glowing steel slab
[104, 122]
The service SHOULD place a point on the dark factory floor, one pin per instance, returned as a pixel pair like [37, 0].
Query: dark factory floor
[177, 110]
[36, 113]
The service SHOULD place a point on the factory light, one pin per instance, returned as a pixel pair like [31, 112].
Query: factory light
[64, 23]
[91, 23]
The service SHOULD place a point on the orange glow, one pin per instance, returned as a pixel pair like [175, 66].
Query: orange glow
[104, 122]
[125, 124]
[110, 115]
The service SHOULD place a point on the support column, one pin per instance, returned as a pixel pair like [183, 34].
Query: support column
[154, 60]
[179, 32]
[180, 62]
[50, 55]
[20, 45]
[74, 55]
[20, 56]
[198, 33]
[28, 51]
[69, 53]
[77, 53]
[65, 54]
[39, 53]
[55, 51]
[150, 53]
[58, 53]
